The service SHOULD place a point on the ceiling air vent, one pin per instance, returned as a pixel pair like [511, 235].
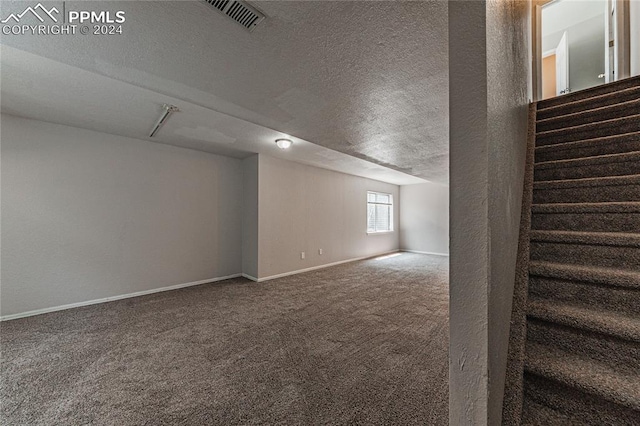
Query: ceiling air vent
[240, 11]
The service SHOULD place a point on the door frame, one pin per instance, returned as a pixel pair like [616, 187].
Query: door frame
[623, 51]
[623, 40]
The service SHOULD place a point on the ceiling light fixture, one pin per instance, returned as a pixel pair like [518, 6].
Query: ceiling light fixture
[168, 110]
[284, 143]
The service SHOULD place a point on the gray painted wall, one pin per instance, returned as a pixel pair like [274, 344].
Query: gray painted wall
[489, 60]
[424, 215]
[250, 211]
[304, 208]
[87, 215]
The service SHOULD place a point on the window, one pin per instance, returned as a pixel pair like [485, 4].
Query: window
[379, 212]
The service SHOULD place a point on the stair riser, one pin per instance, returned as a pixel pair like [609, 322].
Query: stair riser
[572, 108]
[585, 409]
[597, 222]
[615, 299]
[588, 171]
[593, 194]
[608, 146]
[592, 116]
[588, 255]
[597, 130]
[590, 93]
[621, 355]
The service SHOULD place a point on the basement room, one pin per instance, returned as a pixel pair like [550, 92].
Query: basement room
[224, 212]
[253, 212]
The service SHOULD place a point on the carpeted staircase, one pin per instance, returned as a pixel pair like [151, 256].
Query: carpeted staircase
[582, 349]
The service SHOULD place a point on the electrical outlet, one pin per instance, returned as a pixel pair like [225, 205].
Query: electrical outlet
[320, 252]
[301, 255]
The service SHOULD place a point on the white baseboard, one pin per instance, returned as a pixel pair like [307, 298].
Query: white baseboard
[112, 298]
[426, 252]
[313, 268]
[194, 283]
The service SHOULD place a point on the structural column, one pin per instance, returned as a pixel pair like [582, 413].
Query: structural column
[489, 81]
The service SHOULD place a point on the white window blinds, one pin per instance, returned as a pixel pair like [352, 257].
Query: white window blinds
[379, 212]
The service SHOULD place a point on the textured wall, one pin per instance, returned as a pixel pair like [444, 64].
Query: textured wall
[508, 88]
[424, 218]
[304, 208]
[87, 215]
[489, 59]
[469, 220]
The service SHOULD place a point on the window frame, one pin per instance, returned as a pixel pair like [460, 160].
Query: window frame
[390, 204]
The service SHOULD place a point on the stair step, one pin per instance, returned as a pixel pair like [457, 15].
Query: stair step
[597, 321]
[619, 354]
[589, 274]
[627, 163]
[589, 147]
[599, 101]
[564, 405]
[607, 112]
[590, 93]
[600, 249]
[617, 126]
[613, 250]
[584, 374]
[609, 297]
[617, 239]
[599, 189]
[607, 217]
[631, 207]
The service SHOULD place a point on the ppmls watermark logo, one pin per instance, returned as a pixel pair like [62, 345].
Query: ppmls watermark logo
[51, 13]
[58, 20]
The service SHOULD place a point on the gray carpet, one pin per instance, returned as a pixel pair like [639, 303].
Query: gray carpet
[360, 343]
[579, 361]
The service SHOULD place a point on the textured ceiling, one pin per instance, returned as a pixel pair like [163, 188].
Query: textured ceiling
[43, 89]
[369, 79]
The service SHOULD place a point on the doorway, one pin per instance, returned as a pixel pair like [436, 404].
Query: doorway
[579, 44]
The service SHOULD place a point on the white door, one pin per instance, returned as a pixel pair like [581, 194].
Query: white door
[562, 66]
